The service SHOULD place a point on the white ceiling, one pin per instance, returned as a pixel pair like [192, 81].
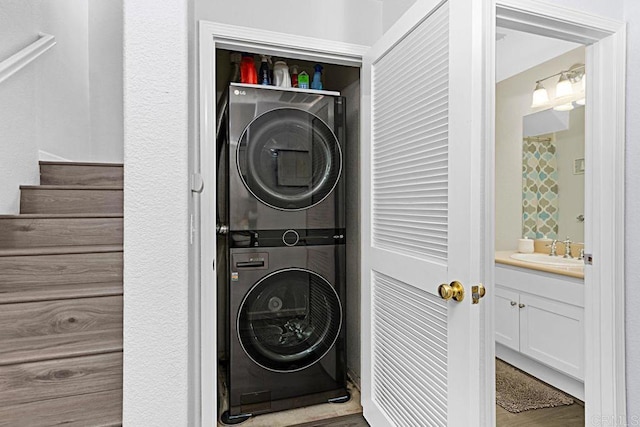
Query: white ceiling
[517, 51]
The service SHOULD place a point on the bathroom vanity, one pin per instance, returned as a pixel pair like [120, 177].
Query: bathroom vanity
[539, 320]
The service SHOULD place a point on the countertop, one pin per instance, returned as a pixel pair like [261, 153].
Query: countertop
[504, 257]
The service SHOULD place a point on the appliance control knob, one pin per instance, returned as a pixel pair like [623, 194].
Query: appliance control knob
[290, 237]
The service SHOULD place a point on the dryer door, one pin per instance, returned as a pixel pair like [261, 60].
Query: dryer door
[289, 159]
[289, 320]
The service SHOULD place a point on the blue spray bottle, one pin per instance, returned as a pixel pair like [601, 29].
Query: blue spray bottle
[317, 78]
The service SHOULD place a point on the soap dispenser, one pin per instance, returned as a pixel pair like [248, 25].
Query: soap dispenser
[264, 77]
[317, 78]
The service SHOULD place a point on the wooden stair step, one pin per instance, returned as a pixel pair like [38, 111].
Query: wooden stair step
[63, 265]
[55, 329]
[76, 173]
[37, 381]
[67, 199]
[92, 409]
[13, 293]
[23, 231]
[60, 346]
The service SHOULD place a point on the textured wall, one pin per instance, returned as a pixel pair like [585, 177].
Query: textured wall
[353, 21]
[156, 357]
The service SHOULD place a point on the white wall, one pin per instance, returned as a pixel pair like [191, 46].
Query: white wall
[105, 80]
[18, 147]
[353, 21]
[68, 103]
[512, 59]
[63, 122]
[392, 10]
[156, 194]
[513, 102]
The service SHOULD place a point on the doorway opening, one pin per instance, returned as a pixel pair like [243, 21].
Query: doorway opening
[539, 270]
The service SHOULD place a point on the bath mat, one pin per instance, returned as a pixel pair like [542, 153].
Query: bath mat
[519, 392]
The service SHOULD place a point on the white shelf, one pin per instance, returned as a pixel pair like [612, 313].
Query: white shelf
[288, 89]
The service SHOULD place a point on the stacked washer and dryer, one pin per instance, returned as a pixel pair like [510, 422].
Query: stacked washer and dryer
[286, 250]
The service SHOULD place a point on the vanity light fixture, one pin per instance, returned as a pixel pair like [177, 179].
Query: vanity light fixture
[540, 96]
[564, 88]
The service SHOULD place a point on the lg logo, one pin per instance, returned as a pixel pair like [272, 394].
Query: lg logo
[239, 92]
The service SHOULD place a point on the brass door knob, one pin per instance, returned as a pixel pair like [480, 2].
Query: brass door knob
[453, 290]
[513, 303]
[521, 305]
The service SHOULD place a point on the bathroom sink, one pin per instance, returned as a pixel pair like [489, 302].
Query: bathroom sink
[555, 261]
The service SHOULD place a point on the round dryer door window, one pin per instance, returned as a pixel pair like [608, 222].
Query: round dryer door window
[289, 159]
[289, 320]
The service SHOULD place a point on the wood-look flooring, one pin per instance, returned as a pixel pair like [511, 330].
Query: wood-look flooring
[61, 300]
[562, 416]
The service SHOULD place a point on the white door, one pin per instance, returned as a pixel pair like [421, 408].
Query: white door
[422, 213]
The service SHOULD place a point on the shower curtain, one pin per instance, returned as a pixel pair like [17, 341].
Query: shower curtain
[539, 188]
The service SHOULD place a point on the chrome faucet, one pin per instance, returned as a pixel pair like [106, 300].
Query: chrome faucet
[567, 248]
[553, 250]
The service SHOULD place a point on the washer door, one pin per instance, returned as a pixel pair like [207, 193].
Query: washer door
[289, 320]
[289, 159]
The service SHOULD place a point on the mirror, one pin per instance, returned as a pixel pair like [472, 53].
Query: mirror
[553, 174]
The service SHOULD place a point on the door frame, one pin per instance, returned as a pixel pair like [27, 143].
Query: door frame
[212, 36]
[606, 228]
[605, 393]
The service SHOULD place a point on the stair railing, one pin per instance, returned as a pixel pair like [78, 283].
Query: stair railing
[16, 62]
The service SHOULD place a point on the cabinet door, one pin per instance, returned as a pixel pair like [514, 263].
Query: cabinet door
[507, 318]
[553, 333]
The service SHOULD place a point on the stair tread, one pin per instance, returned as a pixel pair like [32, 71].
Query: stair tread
[61, 216]
[62, 163]
[17, 293]
[71, 187]
[60, 250]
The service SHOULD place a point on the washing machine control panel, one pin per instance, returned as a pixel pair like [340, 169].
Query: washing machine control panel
[276, 238]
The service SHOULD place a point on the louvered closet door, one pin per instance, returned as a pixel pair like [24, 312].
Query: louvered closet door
[422, 213]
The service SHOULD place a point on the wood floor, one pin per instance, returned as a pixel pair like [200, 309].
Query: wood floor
[562, 416]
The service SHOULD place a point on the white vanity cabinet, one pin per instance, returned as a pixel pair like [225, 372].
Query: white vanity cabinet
[539, 323]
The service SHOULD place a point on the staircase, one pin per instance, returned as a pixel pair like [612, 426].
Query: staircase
[61, 299]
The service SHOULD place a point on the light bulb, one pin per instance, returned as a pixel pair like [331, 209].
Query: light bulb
[540, 96]
[564, 87]
[564, 107]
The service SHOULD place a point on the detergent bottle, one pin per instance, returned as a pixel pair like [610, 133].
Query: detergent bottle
[294, 76]
[281, 74]
[248, 69]
[265, 74]
[303, 80]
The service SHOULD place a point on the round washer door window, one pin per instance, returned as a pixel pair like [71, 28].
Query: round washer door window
[289, 159]
[289, 320]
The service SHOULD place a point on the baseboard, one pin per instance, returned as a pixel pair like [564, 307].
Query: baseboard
[45, 156]
[544, 373]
